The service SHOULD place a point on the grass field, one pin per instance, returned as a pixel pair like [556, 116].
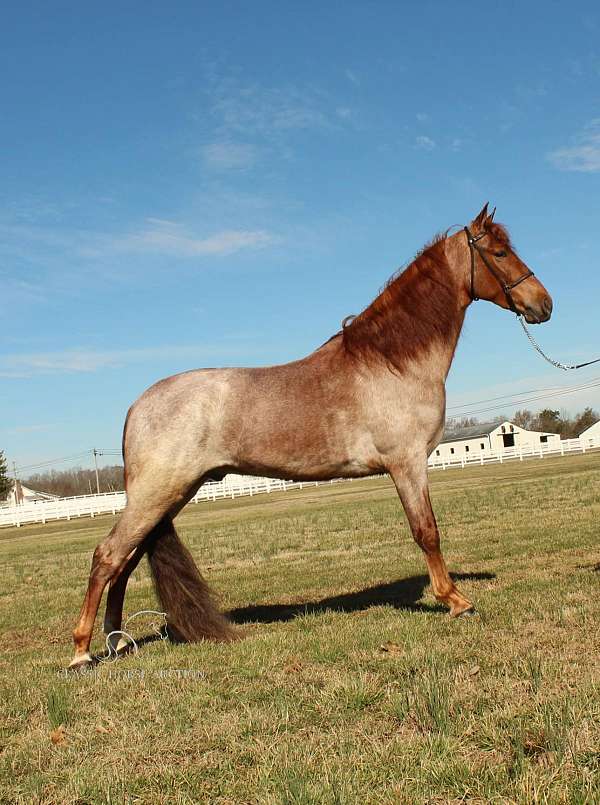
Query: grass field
[351, 685]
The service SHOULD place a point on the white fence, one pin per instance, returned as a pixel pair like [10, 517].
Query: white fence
[563, 448]
[233, 486]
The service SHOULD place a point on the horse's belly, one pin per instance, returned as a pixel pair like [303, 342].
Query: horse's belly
[307, 450]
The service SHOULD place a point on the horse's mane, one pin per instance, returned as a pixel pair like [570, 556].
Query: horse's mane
[418, 305]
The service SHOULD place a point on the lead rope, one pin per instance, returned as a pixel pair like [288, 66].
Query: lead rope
[537, 348]
[159, 629]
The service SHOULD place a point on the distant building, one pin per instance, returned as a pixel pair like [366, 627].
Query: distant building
[491, 437]
[22, 494]
[593, 432]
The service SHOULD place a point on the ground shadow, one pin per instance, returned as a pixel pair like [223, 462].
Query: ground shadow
[402, 594]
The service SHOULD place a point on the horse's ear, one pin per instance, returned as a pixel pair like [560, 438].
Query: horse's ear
[490, 217]
[480, 220]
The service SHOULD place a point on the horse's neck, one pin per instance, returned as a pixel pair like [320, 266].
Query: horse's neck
[437, 329]
[415, 322]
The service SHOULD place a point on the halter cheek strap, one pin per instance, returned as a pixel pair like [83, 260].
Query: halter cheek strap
[506, 287]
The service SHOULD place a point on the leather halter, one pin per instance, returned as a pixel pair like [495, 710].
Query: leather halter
[506, 287]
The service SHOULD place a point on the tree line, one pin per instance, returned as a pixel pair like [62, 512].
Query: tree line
[547, 420]
[76, 481]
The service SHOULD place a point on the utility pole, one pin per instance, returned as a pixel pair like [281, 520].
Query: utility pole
[96, 454]
[18, 493]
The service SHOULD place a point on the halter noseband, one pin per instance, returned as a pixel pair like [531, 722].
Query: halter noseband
[506, 287]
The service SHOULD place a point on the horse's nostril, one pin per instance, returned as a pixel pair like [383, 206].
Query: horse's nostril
[547, 305]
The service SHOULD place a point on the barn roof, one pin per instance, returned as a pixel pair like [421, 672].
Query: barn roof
[594, 427]
[472, 432]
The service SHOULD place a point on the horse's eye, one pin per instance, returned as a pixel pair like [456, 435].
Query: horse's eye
[500, 254]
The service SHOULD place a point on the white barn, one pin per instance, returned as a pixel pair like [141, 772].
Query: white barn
[593, 432]
[491, 437]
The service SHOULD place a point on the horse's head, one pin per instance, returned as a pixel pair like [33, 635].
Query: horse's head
[499, 275]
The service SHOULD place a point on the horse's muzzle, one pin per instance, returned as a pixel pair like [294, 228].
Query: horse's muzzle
[536, 314]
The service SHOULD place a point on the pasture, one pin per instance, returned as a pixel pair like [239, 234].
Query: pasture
[351, 685]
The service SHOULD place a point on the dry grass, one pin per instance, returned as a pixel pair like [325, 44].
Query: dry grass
[351, 685]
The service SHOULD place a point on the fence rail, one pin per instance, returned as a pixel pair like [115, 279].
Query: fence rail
[233, 486]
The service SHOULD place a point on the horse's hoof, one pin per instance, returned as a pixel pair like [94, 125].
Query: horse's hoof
[467, 613]
[118, 648]
[79, 665]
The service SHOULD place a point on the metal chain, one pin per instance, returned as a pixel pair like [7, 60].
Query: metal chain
[537, 348]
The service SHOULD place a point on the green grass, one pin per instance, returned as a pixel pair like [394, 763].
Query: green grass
[351, 685]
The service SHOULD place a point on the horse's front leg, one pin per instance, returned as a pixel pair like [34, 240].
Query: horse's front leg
[410, 478]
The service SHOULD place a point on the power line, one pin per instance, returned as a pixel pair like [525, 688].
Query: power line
[525, 400]
[53, 461]
[113, 451]
[521, 393]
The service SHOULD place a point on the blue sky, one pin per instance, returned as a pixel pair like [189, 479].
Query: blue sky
[195, 184]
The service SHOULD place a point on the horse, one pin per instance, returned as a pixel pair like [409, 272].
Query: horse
[370, 400]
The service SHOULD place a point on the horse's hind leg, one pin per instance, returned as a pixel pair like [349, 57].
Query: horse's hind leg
[113, 616]
[411, 482]
[110, 558]
[190, 608]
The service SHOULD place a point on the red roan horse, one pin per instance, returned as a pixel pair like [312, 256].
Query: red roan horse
[370, 400]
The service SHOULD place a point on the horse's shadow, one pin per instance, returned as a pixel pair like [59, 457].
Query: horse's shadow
[401, 594]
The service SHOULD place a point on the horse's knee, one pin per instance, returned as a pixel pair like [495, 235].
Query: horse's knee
[428, 539]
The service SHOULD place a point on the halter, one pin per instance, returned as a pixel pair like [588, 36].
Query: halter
[506, 287]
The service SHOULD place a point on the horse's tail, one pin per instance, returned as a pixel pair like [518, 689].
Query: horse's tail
[192, 614]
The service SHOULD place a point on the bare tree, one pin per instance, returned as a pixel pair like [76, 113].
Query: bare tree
[523, 418]
[77, 481]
